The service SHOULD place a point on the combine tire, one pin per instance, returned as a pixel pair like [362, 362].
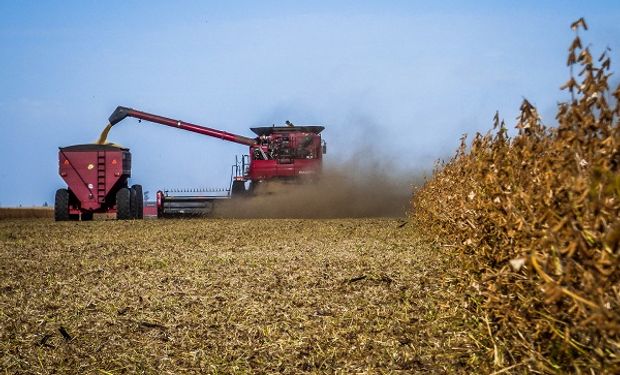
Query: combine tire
[238, 189]
[123, 204]
[133, 203]
[61, 205]
[137, 202]
[87, 216]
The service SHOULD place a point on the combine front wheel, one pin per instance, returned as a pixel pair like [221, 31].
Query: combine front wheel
[238, 189]
[123, 204]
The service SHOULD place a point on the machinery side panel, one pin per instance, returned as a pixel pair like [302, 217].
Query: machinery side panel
[91, 175]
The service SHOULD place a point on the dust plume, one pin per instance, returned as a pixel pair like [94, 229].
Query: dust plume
[350, 189]
[361, 179]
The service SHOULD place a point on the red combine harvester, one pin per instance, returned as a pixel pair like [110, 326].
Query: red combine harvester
[289, 153]
[96, 176]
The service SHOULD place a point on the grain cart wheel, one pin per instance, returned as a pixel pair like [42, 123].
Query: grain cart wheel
[87, 216]
[61, 205]
[133, 203]
[137, 201]
[123, 204]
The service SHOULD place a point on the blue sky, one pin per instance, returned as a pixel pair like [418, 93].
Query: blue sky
[398, 80]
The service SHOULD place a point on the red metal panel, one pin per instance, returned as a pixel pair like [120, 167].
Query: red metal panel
[91, 174]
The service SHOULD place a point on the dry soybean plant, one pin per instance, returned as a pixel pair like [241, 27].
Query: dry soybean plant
[536, 219]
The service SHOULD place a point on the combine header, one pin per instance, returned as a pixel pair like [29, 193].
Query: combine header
[284, 153]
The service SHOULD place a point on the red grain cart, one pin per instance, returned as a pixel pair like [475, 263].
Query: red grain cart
[97, 179]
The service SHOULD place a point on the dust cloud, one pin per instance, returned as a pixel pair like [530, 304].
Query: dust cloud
[363, 182]
[348, 190]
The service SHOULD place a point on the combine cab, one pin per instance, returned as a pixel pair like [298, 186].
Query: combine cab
[284, 152]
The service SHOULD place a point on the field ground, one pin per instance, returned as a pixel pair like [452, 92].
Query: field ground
[227, 296]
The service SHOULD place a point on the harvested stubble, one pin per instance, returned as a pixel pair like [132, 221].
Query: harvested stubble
[228, 296]
[537, 219]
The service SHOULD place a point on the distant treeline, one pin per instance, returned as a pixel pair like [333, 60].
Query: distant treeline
[26, 213]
